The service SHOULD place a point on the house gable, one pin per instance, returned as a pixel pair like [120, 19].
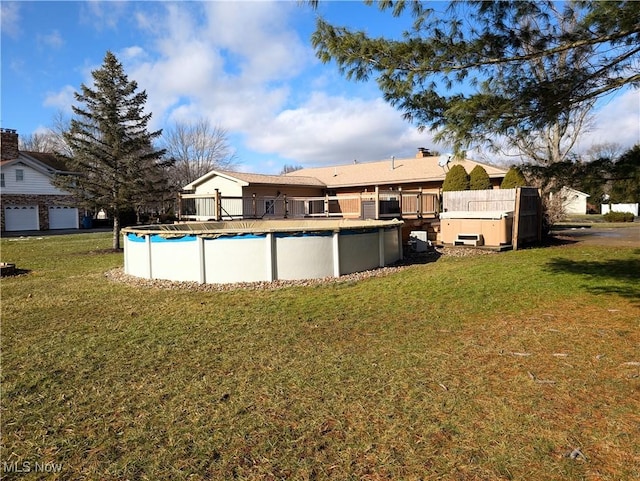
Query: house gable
[25, 175]
[234, 184]
[573, 201]
[216, 180]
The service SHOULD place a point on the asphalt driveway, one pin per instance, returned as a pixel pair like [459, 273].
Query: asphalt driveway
[626, 235]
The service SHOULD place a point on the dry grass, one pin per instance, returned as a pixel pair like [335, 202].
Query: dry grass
[494, 367]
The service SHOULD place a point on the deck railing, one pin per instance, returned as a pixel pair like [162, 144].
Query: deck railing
[374, 205]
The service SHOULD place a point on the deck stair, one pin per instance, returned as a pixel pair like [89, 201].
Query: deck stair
[469, 240]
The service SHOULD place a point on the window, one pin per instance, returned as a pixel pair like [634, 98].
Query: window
[2, 179]
[19, 175]
[270, 207]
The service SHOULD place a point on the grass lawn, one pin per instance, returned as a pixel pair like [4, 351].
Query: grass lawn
[468, 368]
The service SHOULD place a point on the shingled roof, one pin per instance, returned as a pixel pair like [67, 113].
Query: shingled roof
[50, 160]
[396, 171]
[254, 179]
[46, 163]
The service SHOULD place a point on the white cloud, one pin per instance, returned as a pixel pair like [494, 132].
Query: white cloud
[240, 65]
[103, 15]
[52, 40]
[329, 130]
[618, 121]
[10, 19]
[63, 99]
[132, 53]
[232, 73]
[259, 35]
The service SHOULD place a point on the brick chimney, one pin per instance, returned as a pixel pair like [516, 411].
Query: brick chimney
[9, 144]
[423, 152]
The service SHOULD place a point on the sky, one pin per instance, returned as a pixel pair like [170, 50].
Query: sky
[247, 67]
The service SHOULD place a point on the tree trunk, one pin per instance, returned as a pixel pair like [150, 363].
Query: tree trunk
[116, 231]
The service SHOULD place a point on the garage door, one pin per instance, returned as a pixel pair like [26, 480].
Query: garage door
[21, 217]
[63, 217]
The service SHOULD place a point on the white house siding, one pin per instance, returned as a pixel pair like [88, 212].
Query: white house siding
[227, 187]
[573, 201]
[33, 182]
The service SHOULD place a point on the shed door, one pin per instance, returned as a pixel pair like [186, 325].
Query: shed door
[21, 217]
[61, 217]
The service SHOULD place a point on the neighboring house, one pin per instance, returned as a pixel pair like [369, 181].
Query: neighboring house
[573, 201]
[28, 199]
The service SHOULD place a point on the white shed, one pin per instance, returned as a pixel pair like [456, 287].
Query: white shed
[573, 201]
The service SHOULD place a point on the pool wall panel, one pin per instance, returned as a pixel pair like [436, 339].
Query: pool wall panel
[392, 246]
[136, 256]
[359, 252]
[237, 259]
[304, 257]
[175, 259]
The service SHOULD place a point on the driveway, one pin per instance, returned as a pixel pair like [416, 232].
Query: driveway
[625, 235]
[46, 233]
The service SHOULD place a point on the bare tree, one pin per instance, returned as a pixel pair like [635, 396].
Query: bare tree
[290, 168]
[605, 150]
[50, 140]
[555, 140]
[38, 142]
[197, 148]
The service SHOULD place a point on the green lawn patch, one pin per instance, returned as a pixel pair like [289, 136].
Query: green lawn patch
[487, 367]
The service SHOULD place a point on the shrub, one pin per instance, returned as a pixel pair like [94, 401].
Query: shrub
[619, 217]
[513, 178]
[456, 179]
[479, 179]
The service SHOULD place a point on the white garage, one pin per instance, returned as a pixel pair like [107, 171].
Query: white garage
[21, 217]
[63, 217]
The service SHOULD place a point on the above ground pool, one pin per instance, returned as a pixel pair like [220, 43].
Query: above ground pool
[260, 250]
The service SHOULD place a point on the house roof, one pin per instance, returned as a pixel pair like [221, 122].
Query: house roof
[398, 171]
[571, 190]
[246, 179]
[276, 179]
[48, 164]
[50, 160]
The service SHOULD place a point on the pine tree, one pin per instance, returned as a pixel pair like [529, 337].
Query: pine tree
[513, 179]
[112, 152]
[476, 71]
[456, 179]
[479, 179]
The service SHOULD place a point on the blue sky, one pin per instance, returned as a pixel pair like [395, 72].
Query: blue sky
[247, 67]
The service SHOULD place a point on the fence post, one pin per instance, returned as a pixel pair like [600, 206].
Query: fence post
[218, 202]
[377, 196]
[516, 219]
[254, 205]
[419, 204]
[401, 208]
[326, 205]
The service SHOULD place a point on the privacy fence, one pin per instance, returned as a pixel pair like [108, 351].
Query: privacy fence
[523, 204]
